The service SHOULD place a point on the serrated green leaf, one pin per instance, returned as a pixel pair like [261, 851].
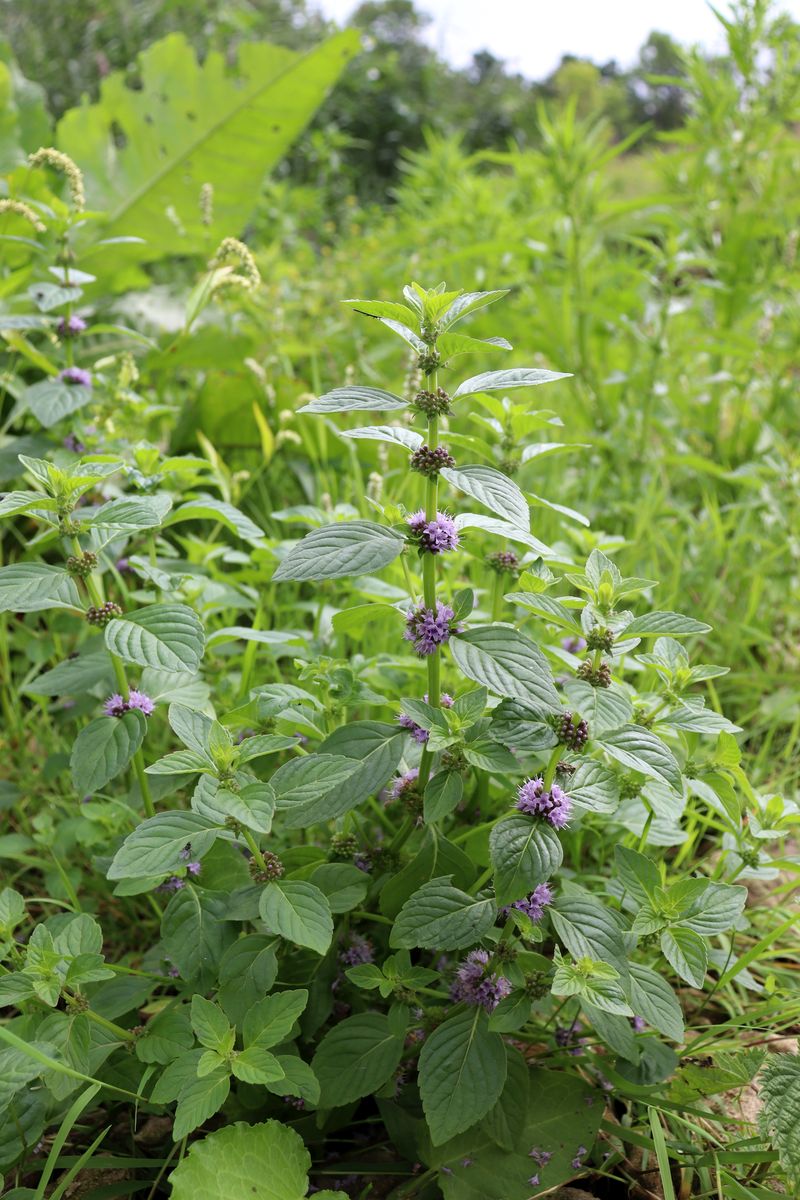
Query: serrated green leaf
[641, 750]
[103, 749]
[33, 587]
[440, 916]
[655, 624]
[155, 847]
[270, 1021]
[355, 1058]
[351, 399]
[493, 489]
[508, 664]
[462, 1072]
[525, 852]
[334, 551]
[686, 953]
[299, 912]
[502, 381]
[168, 637]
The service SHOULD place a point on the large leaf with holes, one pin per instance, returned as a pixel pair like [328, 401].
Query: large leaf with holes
[168, 637]
[147, 152]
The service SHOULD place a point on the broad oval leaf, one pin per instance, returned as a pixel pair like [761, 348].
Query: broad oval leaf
[501, 381]
[263, 1162]
[508, 664]
[494, 489]
[355, 398]
[103, 748]
[440, 916]
[525, 852]
[52, 399]
[462, 1071]
[33, 587]
[641, 750]
[398, 435]
[355, 1058]
[348, 548]
[156, 846]
[299, 912]
[656, 624]
[168, 637]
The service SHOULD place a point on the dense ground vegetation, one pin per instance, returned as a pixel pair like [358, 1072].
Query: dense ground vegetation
[400, 781]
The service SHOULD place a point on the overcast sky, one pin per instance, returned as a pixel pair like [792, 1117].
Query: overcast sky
[531, 35]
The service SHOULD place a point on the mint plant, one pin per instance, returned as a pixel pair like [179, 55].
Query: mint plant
[369, 905]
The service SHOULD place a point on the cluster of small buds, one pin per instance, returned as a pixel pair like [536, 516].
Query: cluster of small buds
[630, 787]
[503, 562]
[537, 985]
[429, 361]
[207, 204]
[68, 526]
[430, 462]
[77, 1003]
[20, 209]
[343, 846]
[510, 465]
[232, 250]
[295, 1101]
[555, 806]
[82, 566]
[358, 950]
[572, 733]
[432, 404]
[102, 615]
[453, 759]
[641, 716]
[475, 984]
[433, 537]
[71, 326]
[376, 858]
[504, 952]
[117, 706]
[273, 868]
[76, 377]
[600, 638]
[417, 732]
[428, 629]
[596, 676]
[47, 156]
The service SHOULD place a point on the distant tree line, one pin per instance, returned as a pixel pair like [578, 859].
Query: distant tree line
[391, 95]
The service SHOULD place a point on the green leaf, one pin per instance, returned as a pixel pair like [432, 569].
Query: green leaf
[166, 1037]
[180, 762]
[504, 529]
[299, 912]
[351, 399]
[257, 1065]
[52, 399]
[210, 1025]
[347, 548]
[355, 1058]
[303, 780]
[590, 930]
[562, 1117]
[442, 917]
[195, 937]
[198, 1100]
[469, 302]
[651, 997]
[179, 127]
[397, 435]
[442, 795]
[686, 953]
[779, 1118]
[343, 884]
[493, 489]
[128, 515]
[504, 1121]
[508, 664]
[462, 1071]
[525, 852]
[503, 381]
[298, 1079]
[207, 508]
[640, 876]
[74, 676]
[594, 787]
[640, 750]
[655, 624]
[546, 606]
[103, 749]
[33, 587]
[716, 909]
[155, 847]
[271, 1020]
[168, 637]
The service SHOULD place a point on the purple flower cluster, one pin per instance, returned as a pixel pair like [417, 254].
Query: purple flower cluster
[574, 644]
[539, 1156]
[74, 443]
[434, 537]
[116, 706]
[417, 732]
[70, 326]
[476, 985]
[76, 376]
[555, 806]
[360, 950]
[404, 783]
[533, 906]
[428, 629]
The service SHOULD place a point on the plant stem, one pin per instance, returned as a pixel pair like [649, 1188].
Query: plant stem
[254, 850]
[550, 772]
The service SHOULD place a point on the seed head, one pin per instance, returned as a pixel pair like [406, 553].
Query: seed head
[82, 566]
[102, 615]
[572, 733]
[432, 404]
[20, 209]
[430, 462]
[503, 562]
[599, 677]
[47, 156]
